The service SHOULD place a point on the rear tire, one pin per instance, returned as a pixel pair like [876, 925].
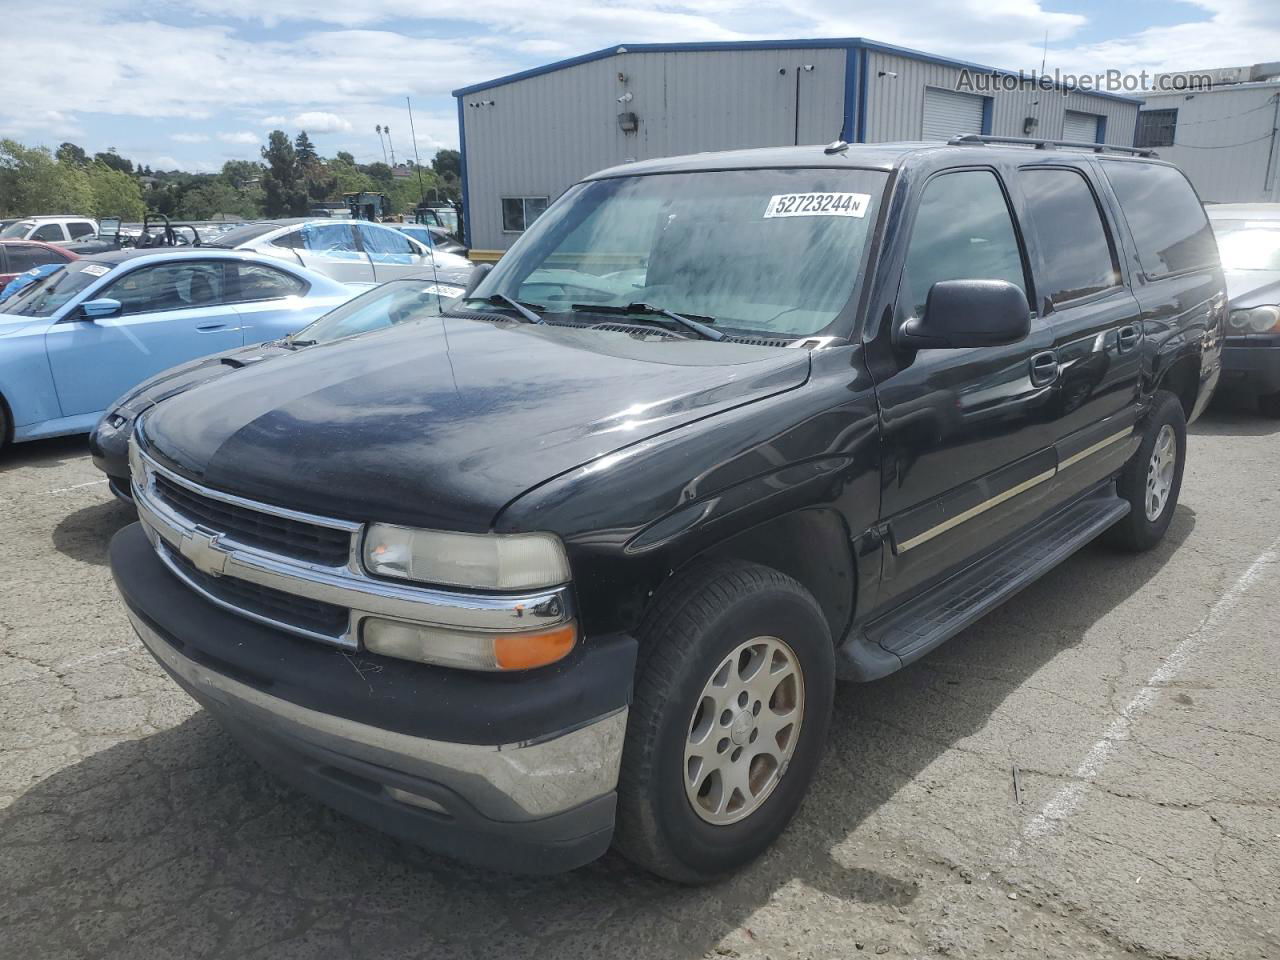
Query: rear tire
[1269, 406]
[732, 708]
[4, 425]
[1152, 479]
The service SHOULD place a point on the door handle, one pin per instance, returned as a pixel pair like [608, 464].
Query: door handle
[1044, 368]
[1127, 337]
[210, 327]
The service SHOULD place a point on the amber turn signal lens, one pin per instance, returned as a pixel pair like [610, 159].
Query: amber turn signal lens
[524, 651]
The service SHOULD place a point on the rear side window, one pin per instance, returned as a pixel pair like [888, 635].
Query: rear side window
[330, 238]
[291, 240]
[1165, 217]
[1078, 253]
[260, 282]
[81, 228]
[963, 231]
[24, 256]
[384, 240]
[48, 232]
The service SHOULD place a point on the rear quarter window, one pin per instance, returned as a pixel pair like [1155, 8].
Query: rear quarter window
[1164, 215]
[1078, 255]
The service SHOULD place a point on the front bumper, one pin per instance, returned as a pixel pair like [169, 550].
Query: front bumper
[109, 449]
[511, 772]
[1252, 363]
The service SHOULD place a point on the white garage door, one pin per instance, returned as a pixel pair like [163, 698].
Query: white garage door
[1082, 127]
[949, 114]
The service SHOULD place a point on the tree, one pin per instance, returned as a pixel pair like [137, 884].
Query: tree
[33, 183]
[379, 172]
[115, 193]
[283, 194]
[215, 197]
[70, 153]
[305, 151]
[113, 160]
[447, 163]
[241, 173]
[344, 157]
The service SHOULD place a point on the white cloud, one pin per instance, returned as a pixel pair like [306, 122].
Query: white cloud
[189, 137]
[318, 121]
[273, 121]
[240, 136]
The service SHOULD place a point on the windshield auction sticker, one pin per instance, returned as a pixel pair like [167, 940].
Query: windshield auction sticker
[817, 205]
[95, 270]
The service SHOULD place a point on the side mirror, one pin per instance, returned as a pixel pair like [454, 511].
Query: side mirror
[478, 273]
[968, 313]
[99, 309]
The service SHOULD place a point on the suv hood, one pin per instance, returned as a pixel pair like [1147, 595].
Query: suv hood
[441, 427]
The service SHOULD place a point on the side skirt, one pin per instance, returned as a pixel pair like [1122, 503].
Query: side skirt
[911, 630]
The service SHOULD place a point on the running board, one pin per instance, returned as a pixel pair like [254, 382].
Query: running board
[915, 628]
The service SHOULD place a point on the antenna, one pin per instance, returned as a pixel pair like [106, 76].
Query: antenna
[422, 198]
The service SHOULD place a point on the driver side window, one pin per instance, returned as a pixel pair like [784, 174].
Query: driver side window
[168, 286]
[963, 231]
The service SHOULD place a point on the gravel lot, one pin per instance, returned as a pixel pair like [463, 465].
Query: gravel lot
[1138, 697]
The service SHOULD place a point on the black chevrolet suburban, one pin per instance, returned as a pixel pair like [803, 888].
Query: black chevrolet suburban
[579, 562]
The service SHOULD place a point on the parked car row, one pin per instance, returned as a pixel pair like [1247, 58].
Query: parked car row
[602, 532]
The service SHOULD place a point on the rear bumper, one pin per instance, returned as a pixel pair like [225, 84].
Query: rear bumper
[1252, 364]
[371, 737]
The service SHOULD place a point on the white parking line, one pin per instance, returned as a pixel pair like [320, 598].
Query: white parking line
[46, 493]
[1067, 799]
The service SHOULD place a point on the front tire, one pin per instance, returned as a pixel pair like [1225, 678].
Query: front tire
[1152, 479]
[729, 722]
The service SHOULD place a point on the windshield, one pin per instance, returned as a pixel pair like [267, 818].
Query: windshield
[233, 238]
[759, 251]
[18, 229]
[50, 293]
[1248, 244]
[383, 306]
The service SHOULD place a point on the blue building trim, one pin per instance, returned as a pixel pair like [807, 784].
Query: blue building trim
[462, 163]
[863, 59]
[1101, 135]
[832, 43]
[988, 107]
[851, 93]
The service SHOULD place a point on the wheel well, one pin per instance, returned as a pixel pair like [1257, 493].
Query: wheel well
[1182, 379]
[810, 546]
[6, 421]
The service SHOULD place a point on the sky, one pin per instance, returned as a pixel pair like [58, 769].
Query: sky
[191, 84]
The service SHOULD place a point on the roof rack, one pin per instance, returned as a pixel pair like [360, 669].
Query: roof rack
[975, 139]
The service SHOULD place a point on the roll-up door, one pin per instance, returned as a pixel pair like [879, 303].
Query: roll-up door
[1081, 127]
[948, 114]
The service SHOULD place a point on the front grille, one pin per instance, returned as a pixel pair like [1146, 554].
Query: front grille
[284, 608]
[292, 538]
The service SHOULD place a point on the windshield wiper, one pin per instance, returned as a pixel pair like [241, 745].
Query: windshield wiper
[501, 299]
[649, 310]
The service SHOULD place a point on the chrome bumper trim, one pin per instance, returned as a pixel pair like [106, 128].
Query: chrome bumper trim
[346, 586]
[510, 782]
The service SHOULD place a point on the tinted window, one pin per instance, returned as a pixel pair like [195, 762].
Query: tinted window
[169, 286]
[1165, 217]
[963, 231]
[24, 256]
[1077, 250]
[384, 240]
[47, 232]
[79, 229]
[293, 240]
[329, 238]
[259, 282]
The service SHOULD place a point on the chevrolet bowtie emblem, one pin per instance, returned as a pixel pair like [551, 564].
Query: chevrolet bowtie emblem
[200, 546]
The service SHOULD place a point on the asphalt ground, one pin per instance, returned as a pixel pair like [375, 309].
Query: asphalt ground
[1138, 699]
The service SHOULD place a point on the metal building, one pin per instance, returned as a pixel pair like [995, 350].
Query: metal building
[1225, 138]
[528, 136]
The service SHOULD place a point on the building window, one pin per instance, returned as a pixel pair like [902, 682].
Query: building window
[519, 212]
[1156, 128]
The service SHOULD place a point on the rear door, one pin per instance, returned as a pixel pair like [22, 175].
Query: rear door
[331, 249]
[270, 302]
[170, 313]
[393, 254]
[1095, 318]
[968, 449]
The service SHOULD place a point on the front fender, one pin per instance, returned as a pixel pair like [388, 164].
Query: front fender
[26, 382]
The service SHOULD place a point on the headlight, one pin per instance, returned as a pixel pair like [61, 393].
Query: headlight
[115, 420]
[468, 650]
[483, 561]
[1256, 320]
